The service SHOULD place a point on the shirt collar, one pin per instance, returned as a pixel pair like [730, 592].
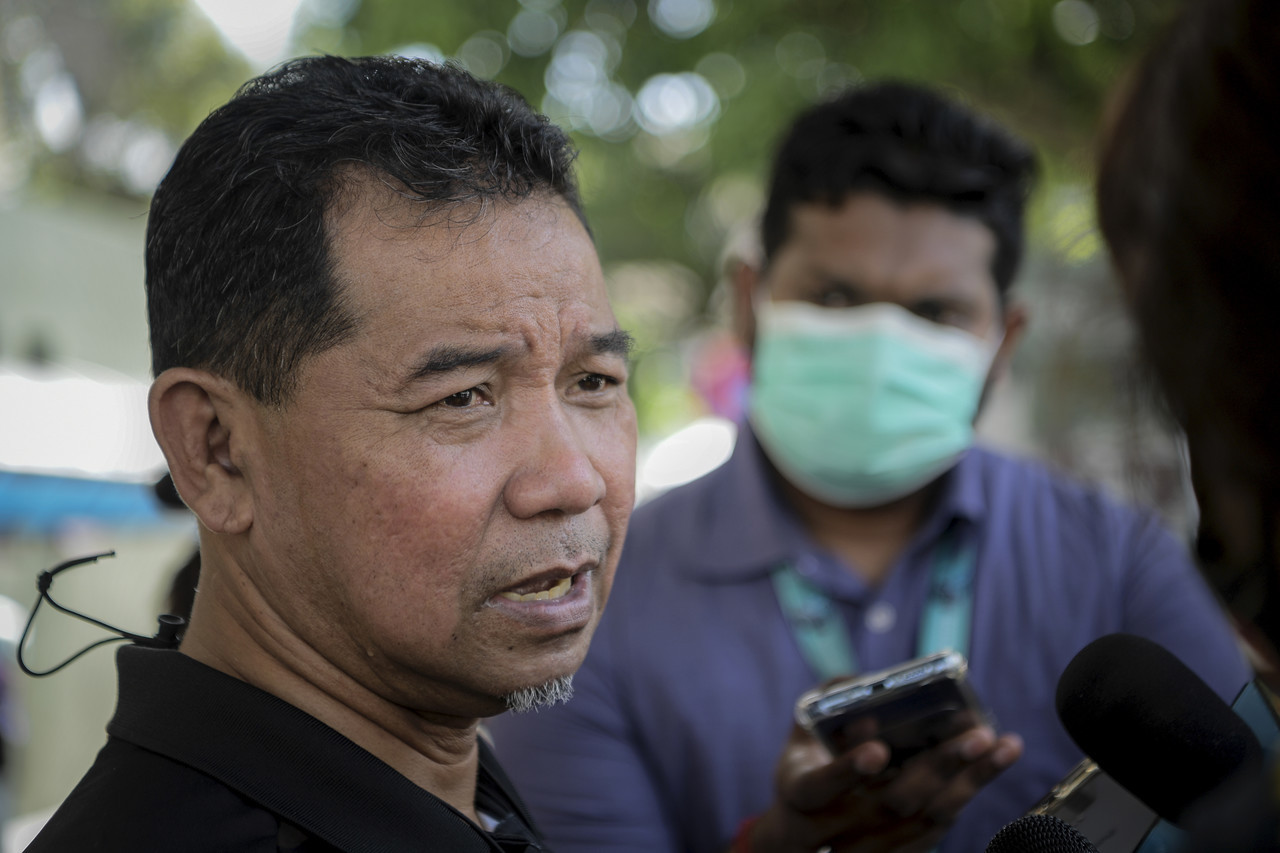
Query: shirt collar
[753, 528]
[287, 761]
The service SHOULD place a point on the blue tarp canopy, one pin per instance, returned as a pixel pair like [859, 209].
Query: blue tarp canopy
[40, 503]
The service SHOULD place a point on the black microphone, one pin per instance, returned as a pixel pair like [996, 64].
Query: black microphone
[1152, 724]
[1039, 833]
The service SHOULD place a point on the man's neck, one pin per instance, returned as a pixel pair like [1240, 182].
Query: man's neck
[438, 754]
[869, 540]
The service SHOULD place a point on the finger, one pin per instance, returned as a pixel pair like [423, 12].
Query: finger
[857, 731]
[966, 784]
[820, 786]
[923, 777]
[802, 754]
[1007, 750]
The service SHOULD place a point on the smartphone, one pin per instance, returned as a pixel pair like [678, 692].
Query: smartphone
[912, 707]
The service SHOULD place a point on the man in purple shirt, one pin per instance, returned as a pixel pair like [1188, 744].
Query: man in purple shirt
[856, 527]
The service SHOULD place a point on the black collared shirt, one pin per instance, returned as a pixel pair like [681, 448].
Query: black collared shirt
[199, 761]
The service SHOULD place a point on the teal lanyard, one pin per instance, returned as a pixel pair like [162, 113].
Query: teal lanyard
[824, 638]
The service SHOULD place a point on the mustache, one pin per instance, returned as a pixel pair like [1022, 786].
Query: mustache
[565, 544]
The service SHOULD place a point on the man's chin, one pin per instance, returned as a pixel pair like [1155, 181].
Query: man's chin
[545, 695]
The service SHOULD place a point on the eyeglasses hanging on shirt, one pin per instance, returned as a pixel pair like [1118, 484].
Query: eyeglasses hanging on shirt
[167, 636]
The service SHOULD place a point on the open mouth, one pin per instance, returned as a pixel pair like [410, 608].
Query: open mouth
[551, 602]
[546, 589]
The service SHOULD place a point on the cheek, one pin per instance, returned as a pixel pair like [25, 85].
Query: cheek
[396, 530]
[407, 554]
[615, 459]
[615, 452]
[426, 514]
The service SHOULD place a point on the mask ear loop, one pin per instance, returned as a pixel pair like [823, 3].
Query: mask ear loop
[167, 637]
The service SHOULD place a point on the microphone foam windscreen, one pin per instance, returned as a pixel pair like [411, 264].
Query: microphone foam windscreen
[1151, 723]
[1039, 833]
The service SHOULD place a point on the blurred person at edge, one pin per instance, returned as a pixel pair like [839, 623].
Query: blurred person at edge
[180, 596]
[877, 320]
[1189, 203]
[390, 386]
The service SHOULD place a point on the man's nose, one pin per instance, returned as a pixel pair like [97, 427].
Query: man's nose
[554, 471]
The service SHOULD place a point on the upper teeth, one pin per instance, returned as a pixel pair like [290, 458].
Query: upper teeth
[558, 591]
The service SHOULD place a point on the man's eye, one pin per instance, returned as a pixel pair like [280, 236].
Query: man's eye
[935, 312]
[461, 400]
[834, 299]
[594, 382]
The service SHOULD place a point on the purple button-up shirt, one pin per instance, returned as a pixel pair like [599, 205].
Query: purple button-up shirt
[687, 693]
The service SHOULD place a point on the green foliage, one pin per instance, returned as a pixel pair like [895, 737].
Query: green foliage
[665, 198]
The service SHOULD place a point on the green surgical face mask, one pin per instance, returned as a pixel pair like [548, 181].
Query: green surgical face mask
[860, 406]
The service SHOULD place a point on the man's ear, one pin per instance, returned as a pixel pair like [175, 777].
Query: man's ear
[1015, 323]
[204, 425]
[744, 279]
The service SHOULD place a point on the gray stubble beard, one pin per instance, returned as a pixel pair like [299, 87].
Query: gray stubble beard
[547, 695]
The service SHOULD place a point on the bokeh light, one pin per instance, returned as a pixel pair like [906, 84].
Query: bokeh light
[668, 103]
[682, 19]
[485, 53]
[261, 30]
[1076, 21]
[532, 32]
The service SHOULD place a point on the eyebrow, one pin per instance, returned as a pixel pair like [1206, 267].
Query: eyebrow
[448, 358]
[616, 342]
[855, 289]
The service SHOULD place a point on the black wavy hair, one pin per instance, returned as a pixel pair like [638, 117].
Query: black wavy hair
[913, 145]
[239, 272]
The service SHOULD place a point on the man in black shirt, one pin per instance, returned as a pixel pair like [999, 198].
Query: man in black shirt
[390, 387]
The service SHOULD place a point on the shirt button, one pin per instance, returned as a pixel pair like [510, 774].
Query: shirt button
[881, 617]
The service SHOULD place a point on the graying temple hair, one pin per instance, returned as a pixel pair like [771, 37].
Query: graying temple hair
[547, 695]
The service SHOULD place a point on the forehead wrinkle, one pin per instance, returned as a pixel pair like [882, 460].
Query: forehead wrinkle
[564, 335]
[540, 329]
[504, 281]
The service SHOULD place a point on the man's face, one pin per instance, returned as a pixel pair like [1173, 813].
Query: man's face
[923, 257]
[473, 445]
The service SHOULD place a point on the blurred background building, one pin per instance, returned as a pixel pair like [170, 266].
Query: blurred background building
[675, 106]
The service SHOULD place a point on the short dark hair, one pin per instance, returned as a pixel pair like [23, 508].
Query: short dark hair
[240, 277]
[912, 145]
[1189, 202]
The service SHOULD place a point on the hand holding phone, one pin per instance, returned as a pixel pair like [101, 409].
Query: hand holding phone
[912, 707]
[869, 764]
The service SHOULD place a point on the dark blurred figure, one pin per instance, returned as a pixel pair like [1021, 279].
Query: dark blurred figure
[1189, 200]
[182, 587]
